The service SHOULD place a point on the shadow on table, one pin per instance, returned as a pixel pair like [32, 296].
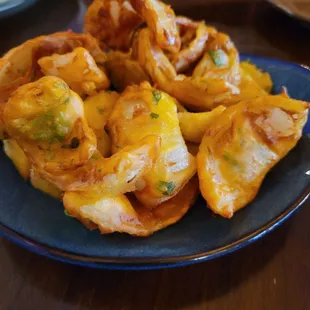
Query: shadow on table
[163, 289]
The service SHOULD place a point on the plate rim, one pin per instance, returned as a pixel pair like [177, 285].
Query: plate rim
[13, 10]
[142, 263]
[287, 11]
[138, 263]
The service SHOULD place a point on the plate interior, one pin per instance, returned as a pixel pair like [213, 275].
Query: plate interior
[41, 219]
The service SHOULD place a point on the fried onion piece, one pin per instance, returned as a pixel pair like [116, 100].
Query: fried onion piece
[97, 111]
[151, 57]
[32, 109]
[112, 22]
[202, 94]
[241, 146]
[110, 176]
[160, 19]
[221, 60]
[190, 51]
[104, 144]
[193, 125]
[263, 79]
[120, 214]
[196, 93]
[139, 112]
[249, 89]
[47, 121]
[98, 108]
[21, 162]
[19, 65]
[18, 157]
[124, 71]
[78, 69]
[44, 186]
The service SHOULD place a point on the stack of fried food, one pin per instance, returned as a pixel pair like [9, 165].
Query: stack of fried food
[116, 121]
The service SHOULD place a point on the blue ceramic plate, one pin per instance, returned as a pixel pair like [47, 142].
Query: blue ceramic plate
[37, 221]
[11, 7]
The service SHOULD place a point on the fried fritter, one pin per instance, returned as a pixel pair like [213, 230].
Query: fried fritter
[242, 144]
[78, 69]
[120, 214]
[141, 111]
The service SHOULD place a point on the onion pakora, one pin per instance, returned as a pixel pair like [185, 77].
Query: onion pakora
[128, 215]
[242, 144]
[221, 60]
[141, 111]
[114, 22]
[191, 53]
[125, 160]
[47, 121]
[153, 60]
[78, 69]
[19, 65]
[44, 186]
[201, 120]
[18, 157]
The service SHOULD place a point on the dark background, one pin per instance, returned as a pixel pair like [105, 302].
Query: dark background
[273, 273]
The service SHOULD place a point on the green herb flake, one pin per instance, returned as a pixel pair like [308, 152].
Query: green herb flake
[100, 110]
[67, 213]
[230, 159]
[48, 127]
[118, 146]
[219, 57]
[166, 187]
[156, 95]
[60, 85]
[154, 115]
[41, 135]
[100, 170]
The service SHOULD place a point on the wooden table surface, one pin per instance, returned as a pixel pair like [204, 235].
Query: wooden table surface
[273, 273]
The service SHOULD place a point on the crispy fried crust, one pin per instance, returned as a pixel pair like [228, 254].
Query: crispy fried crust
[241, 146]
[120, 214]
[141, 111]
[19, 65]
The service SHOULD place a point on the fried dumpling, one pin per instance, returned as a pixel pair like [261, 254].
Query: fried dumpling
[242, 144]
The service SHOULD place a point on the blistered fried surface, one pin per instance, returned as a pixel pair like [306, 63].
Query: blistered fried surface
[241, 146]
[141, 111]
[120, 214]
[19, 66]
[78, 69]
